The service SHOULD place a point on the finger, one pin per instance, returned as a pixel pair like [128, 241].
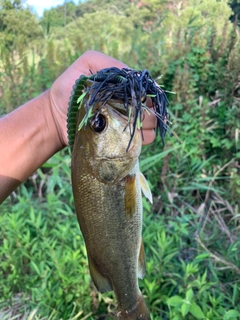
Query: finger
[149, 121]
[148, 136]
[95, 61]
[149, 102]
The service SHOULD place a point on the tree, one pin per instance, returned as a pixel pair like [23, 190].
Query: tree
[17, 24]
[59, 16]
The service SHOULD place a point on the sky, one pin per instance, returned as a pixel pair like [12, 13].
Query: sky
[40, 5]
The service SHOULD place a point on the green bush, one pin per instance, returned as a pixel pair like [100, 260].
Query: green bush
[191, 233]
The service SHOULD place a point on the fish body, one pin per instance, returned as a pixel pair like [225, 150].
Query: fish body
[105, 111]
[107, 193]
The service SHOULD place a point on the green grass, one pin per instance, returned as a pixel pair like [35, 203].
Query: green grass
[192, 254]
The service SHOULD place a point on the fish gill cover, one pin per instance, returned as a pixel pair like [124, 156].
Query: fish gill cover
[127, 86]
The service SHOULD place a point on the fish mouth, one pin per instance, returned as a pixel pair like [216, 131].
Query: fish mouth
[119, 108]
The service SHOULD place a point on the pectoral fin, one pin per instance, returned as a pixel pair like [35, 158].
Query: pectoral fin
[145, 187]
[130, 195]
[101, 283]
[141, 262]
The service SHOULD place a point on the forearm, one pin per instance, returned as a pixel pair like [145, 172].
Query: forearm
[34, 132]
[28, 137]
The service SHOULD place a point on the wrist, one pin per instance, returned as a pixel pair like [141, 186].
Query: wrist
[53, 122]
[30, 138]
[58, 106]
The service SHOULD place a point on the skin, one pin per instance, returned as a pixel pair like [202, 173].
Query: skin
[34, 132]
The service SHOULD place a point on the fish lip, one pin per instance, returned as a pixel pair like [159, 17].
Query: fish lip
[119, 113]
[131, 147]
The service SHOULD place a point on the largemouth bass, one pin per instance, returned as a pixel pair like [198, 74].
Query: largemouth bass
[107, 187]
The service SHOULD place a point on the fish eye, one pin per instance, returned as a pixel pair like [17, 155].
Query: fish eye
[98, 123]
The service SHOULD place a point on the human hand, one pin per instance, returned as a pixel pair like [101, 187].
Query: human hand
[61, 89]
[34, 132]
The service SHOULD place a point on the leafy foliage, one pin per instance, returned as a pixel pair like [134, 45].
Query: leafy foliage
[191, 234]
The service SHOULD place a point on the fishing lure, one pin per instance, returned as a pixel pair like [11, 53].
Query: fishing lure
[129, 87]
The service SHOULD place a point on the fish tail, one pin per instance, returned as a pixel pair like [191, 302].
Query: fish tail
[138, 312]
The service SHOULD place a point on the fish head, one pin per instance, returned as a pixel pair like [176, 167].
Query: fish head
[102, 143]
